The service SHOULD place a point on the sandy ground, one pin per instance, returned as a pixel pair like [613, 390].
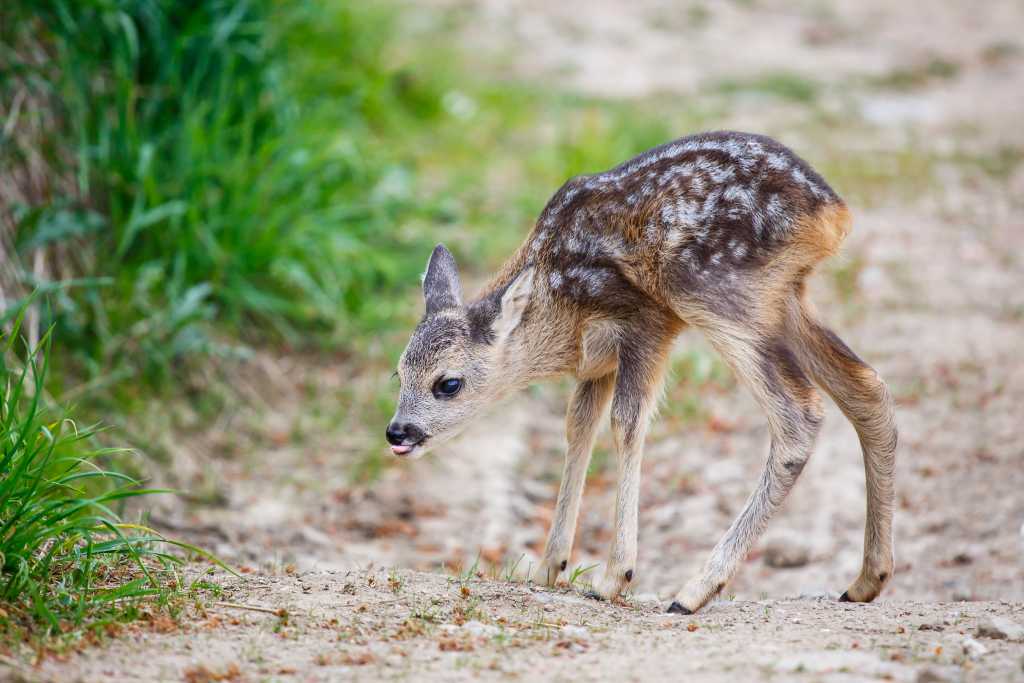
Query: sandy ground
[402, 625]
[937, 306]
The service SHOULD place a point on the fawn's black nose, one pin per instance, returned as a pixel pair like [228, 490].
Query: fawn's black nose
[398, 434]
[395, 434]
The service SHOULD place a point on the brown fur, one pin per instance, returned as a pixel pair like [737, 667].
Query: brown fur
[718, 231]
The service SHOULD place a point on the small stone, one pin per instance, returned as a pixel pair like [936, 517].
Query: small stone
[314, 536]
[549, 608]
[820, 595]
[962, 558]
[935, 626]
[575, 633]
[537, 491]
[973, 649]
[1000, 628]
[478, 629]
[931, 676]
[786, 553]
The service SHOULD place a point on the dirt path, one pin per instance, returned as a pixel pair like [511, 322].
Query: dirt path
[403, 625]
[930, 290]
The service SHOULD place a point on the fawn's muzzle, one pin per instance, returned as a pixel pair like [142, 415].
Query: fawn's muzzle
[404, 437]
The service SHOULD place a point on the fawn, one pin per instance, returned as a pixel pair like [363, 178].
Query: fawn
[719, 231]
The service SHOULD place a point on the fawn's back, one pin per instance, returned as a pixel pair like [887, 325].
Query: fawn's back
[711, 218]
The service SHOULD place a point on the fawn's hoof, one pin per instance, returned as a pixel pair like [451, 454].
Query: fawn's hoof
[611, 586]
[594, 595]
[845, 597]
[676, 608]
[547, 574]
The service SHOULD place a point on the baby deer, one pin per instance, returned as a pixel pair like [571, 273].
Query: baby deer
[719, 231]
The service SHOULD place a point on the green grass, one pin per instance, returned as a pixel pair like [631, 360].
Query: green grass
[211, 162]
[580, 571]
[67, 560]
[914, 76]
[783, 85]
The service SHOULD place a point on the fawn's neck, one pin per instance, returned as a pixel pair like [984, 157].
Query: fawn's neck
[546, 342]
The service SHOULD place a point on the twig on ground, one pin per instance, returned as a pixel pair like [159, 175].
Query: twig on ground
[252, 608]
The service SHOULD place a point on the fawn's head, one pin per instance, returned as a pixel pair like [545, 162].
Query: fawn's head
[457, 361]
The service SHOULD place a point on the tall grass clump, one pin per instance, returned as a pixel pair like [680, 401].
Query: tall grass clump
[205, 163]
[66, 558]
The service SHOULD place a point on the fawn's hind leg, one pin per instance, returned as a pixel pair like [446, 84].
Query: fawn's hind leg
[863, 397]
[769, 367]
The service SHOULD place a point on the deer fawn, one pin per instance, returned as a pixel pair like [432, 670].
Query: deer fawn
[719, 231]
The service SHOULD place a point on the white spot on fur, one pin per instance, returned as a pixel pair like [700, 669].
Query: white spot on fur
[592, 279]
[758, 220]
[741, 195]
[555, 279]
[651, 232]
[777, 161]
[711, 203]
[674, 237]
[686, 256]
[721, 174]
[678, 171]
[777, 218]
[539, 241]
[801, 178]
[687, 212]
[573, 244]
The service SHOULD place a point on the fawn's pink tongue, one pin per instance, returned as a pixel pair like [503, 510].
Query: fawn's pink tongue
[400, 450]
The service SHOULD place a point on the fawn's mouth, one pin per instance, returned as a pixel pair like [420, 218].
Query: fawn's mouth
[409, 450]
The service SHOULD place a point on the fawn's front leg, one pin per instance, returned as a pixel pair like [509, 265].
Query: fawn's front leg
[586, 407]
[637, 385]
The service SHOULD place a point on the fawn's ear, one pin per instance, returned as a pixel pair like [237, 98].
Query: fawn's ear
[513, 304]
[441, 288]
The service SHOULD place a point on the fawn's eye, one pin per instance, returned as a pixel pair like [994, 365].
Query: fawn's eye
[446, 388]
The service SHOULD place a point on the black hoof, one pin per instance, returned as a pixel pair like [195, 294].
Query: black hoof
[594, 595]
[845, 597]
[676, 608]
